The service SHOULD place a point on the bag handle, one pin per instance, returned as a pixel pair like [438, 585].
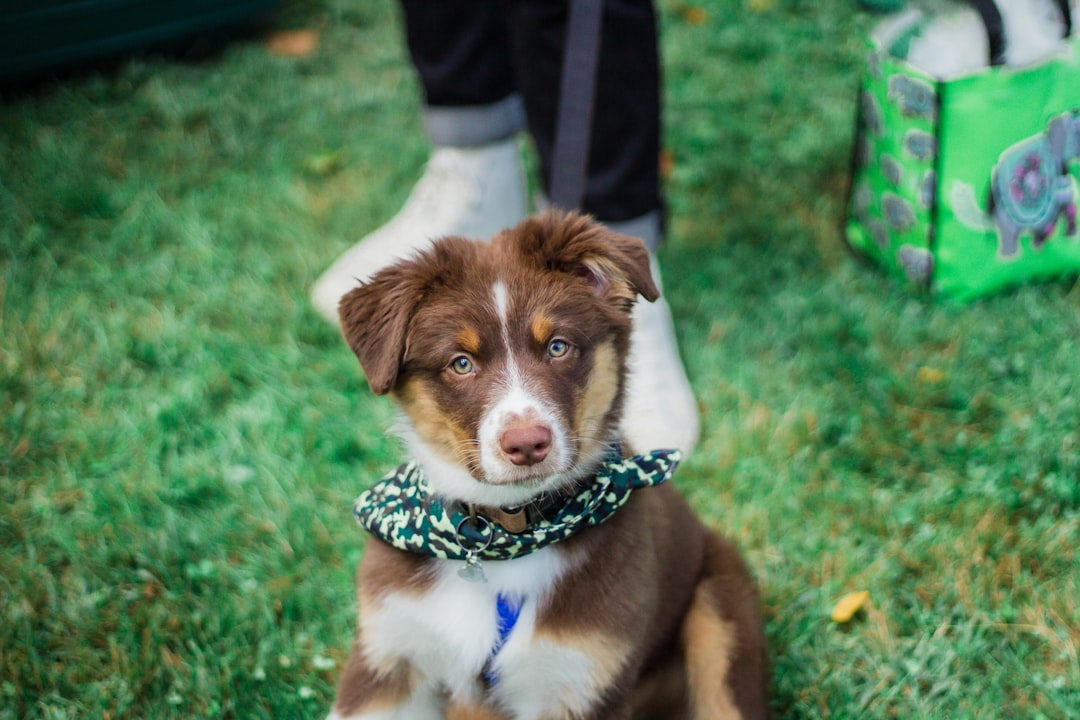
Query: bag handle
[1066, 16]
[995, 28]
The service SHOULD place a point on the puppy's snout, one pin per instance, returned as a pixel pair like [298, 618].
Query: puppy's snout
[526, 444]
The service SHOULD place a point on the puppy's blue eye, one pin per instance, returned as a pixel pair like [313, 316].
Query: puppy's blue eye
[461, 365]
[557, 348]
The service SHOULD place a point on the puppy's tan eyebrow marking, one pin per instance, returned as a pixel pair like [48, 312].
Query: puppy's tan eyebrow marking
[541, 327]
[469, 340]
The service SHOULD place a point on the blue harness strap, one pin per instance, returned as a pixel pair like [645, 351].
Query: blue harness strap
[507, 612]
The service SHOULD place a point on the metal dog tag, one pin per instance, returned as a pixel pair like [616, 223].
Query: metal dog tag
[472, 571]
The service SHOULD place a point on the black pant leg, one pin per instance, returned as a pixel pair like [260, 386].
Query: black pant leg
[460, 50]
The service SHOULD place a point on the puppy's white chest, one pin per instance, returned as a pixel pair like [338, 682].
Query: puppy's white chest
[451, 633]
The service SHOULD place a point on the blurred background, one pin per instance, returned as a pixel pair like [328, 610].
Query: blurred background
[182, 436]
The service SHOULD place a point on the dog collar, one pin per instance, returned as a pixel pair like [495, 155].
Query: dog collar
[401, 510]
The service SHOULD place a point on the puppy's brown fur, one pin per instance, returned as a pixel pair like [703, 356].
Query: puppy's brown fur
[527, 336]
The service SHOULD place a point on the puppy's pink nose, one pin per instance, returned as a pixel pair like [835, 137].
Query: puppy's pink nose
[526, 445]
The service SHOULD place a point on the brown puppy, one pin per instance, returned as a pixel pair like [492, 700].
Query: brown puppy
[501, 582]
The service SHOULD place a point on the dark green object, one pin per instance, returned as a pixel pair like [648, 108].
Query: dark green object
[37, 36]
[883, 6]
[968, 185]
[402, 511]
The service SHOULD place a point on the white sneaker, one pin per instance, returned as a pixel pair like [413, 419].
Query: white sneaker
[469, 191]
[660, 412]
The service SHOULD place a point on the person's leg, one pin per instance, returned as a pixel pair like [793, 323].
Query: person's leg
[661, 411]
[622, 185]
[460, 53]
[473, 184]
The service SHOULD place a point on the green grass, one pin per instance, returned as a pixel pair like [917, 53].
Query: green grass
[181, 436]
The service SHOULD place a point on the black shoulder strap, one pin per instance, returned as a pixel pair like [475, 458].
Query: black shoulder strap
[573, 126]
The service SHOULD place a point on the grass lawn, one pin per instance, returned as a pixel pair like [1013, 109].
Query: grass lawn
[181, 436]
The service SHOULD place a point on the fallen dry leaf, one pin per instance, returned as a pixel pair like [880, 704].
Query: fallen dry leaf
[693, 14]
[850, 604]
[931, 376]
[293, 43]
[667, 163]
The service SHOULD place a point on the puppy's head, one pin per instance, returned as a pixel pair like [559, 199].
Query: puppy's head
[508, 358]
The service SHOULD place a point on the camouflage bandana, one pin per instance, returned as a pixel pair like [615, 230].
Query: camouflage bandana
[401, 510]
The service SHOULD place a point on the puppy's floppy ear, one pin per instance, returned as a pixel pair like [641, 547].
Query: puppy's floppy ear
[617, 266]
[375, 321]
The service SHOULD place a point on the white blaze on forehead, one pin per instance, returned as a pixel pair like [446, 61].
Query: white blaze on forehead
[502, 310]
[515, 402]
[502, 304]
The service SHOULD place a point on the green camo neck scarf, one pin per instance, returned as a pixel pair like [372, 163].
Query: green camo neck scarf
[401, 510]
